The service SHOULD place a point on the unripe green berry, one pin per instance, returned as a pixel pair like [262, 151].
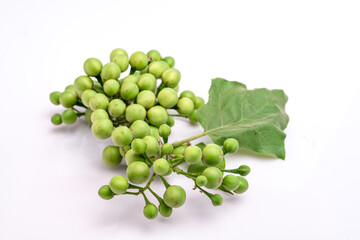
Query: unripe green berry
[244, 170]
[171, 77]
[111, 87]
[164, 131]
[119, 185]
[110, 71]
[214, 177]
[135, 112]
[102, 128]
[147, 82]
[170, 121]
[137, 172]
[146, 98]
[201, 180]
[98, 101]
[83, 83]
[138, 60]
[88, 113]
[150, 211]
[231, 182]
[92, 67]
[244, 185]
[154, 131]
[122, 136]
[192, 154]
[131, 156]
[161, 166]
[216, 200]
[198, 102]
[99, 114]
[138, 146]
[54, 97]
[117, 51]
[68, 117]
[130, 78]
[129, 91]
[154, 54]
[230, 145]
[174, 196]
[157, 116]
[188, 94]
[212, 155]
[167, 149]
[167, 97]
[116, 108]
[170, 61]
[68, 98]
[193, 117]
[122, 61]
[156, 69]
[152, 145]
[105, 192]
[86, 96]
[139, 129]
[111, 156]
[56, 119]
[164, 209]
[185, 106]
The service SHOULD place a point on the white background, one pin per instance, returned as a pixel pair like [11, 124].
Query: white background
[49, 176]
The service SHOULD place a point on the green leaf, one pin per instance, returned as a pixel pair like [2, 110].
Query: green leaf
[256, 118]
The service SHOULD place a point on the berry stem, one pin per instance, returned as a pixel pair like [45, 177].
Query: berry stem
[178, 163]
[145, 198]
[202, 190]
[99, 80]
[221, 188]
[155, 195]
[132, 71]
[149, 182]
[178, 143]
[189, 175]
[132, 193]
[164, 181]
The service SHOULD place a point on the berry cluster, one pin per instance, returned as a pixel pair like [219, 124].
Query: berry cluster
[136, 112]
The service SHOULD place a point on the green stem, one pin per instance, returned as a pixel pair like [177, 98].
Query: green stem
[79, 103]
[178, 143]
[145, 198]
[149, 182]
[231, 170]
[178, 163]
[132, 71]
[134, 187]
[79, 114]
[147, 158]
[189, 175]
[202, 190]
[221, 188]
[132, 193]
[99, 80]
[155, 195]
[164, 181]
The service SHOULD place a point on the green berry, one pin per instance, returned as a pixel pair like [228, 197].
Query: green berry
[55, 98]
[129, 91]
[116, 108]
[111, 87]
[146, 98]
[188, 94]
[99, 114]
[83, 83]
[168, 97]
[138, 60]
[102, 128]
[170, 61]
[170, 121]
[122, 136]
[117, 51]
[230, 145]
[111, 156]
[179, 151]
[156, 69]
[154, 54]
[167, 149]
[150, 211]
[56, 119]
[198, 102]
[164, 209]
[92, 67]
[164, 131]
[244, 185]
[244, 170]
[138, 146]
[110, 71]
[171, 77]
[98, 101]
[154, 131]
[86, 96]
[185, 106]
[213, 176]
[216, 200]
[68, 117]
[88, 113]
[212, 155]
[68, 98]
[157, 116]
[119, 185]
[135, 112]
[122, 61]
[192, 154]
[201, 180]
[174, 196]
[147, 82]
[131, 157]
[193, 117]
[139, 129]
[161, 166]
[152, 145]
[105, 192]
[137, 172]
[130, 78]
[197, 168]
[231, 182]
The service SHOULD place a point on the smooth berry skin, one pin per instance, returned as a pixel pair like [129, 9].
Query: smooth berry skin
[244, 170]
[110, 71]
[118, 51]
[92, 67]
[54, 97]
[170, 61]
[122, 61]
[137, 172]
[68, 98]
[119, 185]
[164, 131]
[129, 91]
[154, 54]
[216, 200]
[167, 149]
[146, 98]
[138, 60]
[111, 87]
[214, 177]
[192, 154]
[99, 114]
[164, 209]
[188, 94]
[161, 166]
[231, 182]
[98, 101]
[201, 180]
[243, 187]
[105, 192]
[111, 156]
[56, 119]
[147, 82]
[171, 77]
[86, 95]
[131, 156]
[139, 129]
[212, 155]
[174, 196]
[116, 108]
[230, 145]
[135, 112]
[156, 69]
[138, 146]
[157, 116]
[168, 97]
[185, 106]
[150, 211]
[122, 136]
[198, 102]
[68, 117]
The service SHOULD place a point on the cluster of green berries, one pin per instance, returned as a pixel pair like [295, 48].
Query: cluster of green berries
[135, 111]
